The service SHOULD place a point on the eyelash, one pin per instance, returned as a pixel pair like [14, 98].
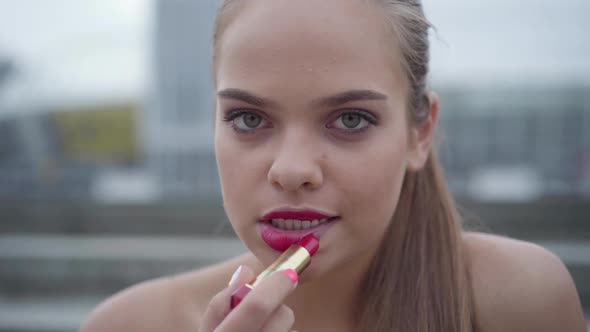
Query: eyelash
[231, 115]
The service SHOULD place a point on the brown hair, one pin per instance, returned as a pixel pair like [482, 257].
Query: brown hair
[420, 273]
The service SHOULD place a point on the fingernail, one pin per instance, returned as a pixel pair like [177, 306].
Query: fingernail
[292, 274]
[234, 276]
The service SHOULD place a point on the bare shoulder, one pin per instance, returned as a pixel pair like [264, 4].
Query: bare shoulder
[172, 303]
[520, 286]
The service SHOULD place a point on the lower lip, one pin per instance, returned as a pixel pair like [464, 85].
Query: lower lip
[279, 239]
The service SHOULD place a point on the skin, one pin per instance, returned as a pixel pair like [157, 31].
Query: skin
[301, 154]
[293, 159]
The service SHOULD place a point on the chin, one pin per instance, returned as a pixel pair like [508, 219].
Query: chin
[315, 270]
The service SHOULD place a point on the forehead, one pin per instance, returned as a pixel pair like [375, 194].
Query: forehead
[308, 43]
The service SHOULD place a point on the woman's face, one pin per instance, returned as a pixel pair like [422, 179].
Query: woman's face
[310, 116]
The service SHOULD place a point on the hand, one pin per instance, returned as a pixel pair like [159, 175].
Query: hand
[262, 310]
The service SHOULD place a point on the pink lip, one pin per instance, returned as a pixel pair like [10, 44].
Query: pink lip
[280, 240]
[295, 214]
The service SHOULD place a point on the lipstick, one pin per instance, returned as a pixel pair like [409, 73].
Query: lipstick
[296, 257]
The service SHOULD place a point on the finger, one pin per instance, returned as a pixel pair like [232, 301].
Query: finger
[219, 306]
[281, 320]
[261, 302]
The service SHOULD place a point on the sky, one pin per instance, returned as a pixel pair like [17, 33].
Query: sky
[508, 40]
[72, 47]
[30, 26]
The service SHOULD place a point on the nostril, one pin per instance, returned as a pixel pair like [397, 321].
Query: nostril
[294, 176]
[308, 185]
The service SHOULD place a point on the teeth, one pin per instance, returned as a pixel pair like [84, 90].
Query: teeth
[295, 224]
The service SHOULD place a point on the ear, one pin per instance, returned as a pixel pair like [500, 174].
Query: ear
[422, 135]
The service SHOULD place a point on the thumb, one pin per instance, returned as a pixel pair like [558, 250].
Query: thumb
[242, 275]
[219, 307]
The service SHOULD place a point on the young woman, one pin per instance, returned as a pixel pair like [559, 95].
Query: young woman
[323, 114]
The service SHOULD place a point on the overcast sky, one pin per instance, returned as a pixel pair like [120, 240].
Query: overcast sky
[542, 39]
[105, 44]
[73, 46]
[57, 30]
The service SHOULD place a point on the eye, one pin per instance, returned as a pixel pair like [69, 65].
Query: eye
[248, 121]
[243, 120]
[353, 121]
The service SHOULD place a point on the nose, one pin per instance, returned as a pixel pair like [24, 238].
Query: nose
[296, 165]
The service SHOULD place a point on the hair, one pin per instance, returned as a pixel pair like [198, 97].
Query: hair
[420, 273]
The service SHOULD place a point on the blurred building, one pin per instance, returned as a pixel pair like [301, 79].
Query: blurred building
[6, 70]
[180, 123]
[541, 134]
[62, 153]
[65, 130]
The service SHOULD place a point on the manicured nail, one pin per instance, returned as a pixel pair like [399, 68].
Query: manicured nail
[234, 276]
[292, 274]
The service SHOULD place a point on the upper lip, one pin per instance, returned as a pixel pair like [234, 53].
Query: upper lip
[298, 214]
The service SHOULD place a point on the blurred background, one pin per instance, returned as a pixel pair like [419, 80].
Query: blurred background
[107, 170]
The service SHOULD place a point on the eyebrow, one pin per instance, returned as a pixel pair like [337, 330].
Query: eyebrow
[350, 96]
[330, 101]
[247, 97]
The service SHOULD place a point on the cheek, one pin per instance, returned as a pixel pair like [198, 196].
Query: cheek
[230, 176]
[240, 177]
[374, 184]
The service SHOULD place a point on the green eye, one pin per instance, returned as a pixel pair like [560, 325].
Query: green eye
[250, 120]
[245, 121]
[351, 120]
